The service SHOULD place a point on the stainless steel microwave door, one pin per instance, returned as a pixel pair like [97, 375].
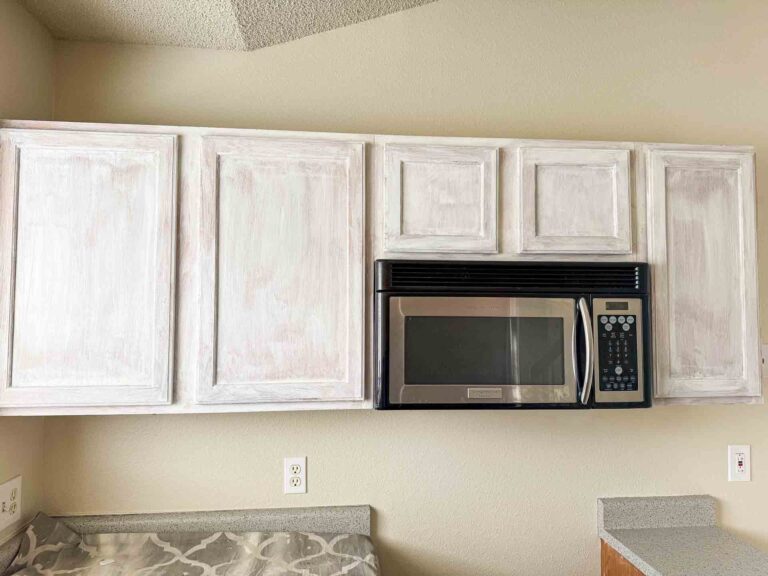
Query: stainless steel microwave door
[448, 350]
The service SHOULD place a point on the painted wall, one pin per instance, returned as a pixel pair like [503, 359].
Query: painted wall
[26, 91]
[491, 493]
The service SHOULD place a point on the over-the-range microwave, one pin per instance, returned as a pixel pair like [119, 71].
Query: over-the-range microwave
[459, 334]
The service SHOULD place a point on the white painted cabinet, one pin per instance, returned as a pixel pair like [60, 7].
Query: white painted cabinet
[574, 200]
[87, 240]
[270, 311]
[704, 267]
[440, 198]
[281, 290]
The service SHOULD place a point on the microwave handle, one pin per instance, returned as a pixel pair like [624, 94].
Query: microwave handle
[586, 322]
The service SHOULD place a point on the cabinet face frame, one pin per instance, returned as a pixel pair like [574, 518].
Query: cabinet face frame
[483, 160]
[156, 388]
[351, 386]
[617, 161]
[747, 387]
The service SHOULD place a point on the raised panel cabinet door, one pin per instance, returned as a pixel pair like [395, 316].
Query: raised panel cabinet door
[282, 271]
[87, 233]
[440, 198]
[702, 238]
[574, 200]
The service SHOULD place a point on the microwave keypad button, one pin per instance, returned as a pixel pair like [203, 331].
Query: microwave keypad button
[617, 349]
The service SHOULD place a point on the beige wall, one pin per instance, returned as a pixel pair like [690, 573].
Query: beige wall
[491, 493]
[26, 60]
[26, 91]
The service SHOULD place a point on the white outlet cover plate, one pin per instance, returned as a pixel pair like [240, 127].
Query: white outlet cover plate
[10, 502]
[737, 453]
[295, 475]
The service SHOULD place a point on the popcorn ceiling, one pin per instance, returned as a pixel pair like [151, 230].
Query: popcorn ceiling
[219, 24]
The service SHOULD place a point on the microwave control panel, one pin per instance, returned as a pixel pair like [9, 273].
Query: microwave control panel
[618, 334]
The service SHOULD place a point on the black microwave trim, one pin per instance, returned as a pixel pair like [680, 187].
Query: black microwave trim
[511, 277]
[384, 290]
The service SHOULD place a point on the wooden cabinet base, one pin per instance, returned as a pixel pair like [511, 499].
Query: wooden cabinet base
[614, 564]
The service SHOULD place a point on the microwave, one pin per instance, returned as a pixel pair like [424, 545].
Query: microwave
[463, 335]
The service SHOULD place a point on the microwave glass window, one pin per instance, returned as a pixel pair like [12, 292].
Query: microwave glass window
[484, 350]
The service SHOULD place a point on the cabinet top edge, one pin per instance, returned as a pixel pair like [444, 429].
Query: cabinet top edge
[175, 130]
[366, 138]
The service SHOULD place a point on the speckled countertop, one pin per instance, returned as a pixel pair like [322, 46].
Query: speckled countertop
[676, 536]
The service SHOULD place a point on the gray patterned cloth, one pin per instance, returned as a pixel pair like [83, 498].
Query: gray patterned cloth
[50, 548]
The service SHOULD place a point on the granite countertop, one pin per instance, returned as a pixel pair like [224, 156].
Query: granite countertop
[676, 536]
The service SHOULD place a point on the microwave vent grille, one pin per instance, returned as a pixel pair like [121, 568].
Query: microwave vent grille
[516, 276]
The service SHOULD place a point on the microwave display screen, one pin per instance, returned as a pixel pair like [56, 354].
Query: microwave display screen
[617, 305]
[484, 350]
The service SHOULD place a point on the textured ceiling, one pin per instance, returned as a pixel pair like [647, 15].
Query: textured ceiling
[222, 24]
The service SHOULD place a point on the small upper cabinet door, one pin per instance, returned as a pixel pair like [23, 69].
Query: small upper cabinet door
[87, 228]
[282, 271]
[702, 248]
[574, 201]
[440, 198]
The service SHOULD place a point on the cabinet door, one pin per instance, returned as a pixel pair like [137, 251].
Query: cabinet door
[87, 265]
[575, 200]
[440, 198]
[282, 271]
[702, 248]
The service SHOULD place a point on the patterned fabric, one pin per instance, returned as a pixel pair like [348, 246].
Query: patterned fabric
[50, 548]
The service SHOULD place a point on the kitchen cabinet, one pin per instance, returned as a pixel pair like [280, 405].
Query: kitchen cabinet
[702, 248]
[281, 291]
[614, 564]
[246, 289]
[87, 240]
[574, 200]
[440, 198]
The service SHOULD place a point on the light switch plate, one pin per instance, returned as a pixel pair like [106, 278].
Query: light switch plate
[10, 502]
[739, 463]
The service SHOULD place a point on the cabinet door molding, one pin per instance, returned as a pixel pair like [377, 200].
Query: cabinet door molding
[88, 238]
[282, 271]
[440, 198]
[702, 245]
[574, 200]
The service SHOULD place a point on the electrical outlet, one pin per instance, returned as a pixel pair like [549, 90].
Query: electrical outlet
[295, 475]
[10, 502]
[739, 463]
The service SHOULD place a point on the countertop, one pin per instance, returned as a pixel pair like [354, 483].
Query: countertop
[676, 536]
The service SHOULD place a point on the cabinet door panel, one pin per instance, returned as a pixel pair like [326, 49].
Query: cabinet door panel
[440, 198]
[705, 289]
[282, 271]
[89, 223]
[575, 200]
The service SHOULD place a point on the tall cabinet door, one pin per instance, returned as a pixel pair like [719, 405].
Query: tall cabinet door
[702, 248]
[87, 233]
[282, 271]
